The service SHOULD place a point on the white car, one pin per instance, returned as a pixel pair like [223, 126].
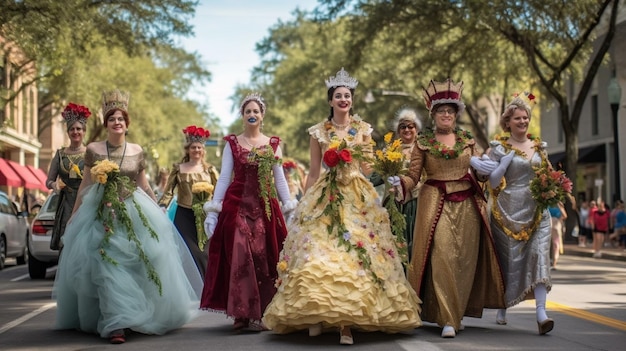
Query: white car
[41, 255]
[13, 232]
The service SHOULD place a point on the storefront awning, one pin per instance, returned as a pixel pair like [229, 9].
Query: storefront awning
[589, 154]
[7, 175]
[29, 181]
[41, 176]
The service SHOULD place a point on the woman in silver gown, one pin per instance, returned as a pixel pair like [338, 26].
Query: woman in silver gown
[520, 230]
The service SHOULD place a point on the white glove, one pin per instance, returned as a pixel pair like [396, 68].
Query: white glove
[210, 223]
[288, 207]
[394, 180]
[484, 166]
[498, 173]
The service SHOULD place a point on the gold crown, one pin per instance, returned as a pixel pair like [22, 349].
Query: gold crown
[115, 99]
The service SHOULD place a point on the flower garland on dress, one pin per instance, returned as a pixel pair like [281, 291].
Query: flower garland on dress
[389, 161]
[428, 140]
[112, 211]
[201, 193]
[265, 159]
[337, 156]
[547, 188]
[340, 155]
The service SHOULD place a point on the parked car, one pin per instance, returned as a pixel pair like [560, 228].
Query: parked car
[41, 255]
[13, 232]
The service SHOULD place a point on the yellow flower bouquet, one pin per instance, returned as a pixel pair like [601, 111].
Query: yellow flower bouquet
[389, 161]
[201, 193]
[112, 213]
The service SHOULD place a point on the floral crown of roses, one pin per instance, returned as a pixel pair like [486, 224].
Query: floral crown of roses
[75, 113]
[446, 92]
[115, 99]
[256, 97]
[194, 134]
[341, 79]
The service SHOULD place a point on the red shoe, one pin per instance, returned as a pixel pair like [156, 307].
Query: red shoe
[117, 337]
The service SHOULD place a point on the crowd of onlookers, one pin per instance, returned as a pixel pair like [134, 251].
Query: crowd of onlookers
[600, 226]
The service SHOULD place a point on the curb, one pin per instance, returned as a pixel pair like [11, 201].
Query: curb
[614, 254]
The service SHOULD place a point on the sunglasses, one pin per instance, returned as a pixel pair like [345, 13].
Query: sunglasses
[406, 126]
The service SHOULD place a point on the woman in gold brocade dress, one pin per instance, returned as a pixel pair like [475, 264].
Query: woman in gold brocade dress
[192, 170]
[66, 168]
[453, 268]
[344, 273]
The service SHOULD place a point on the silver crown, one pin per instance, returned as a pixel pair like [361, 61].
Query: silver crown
[342, 79]
[253, 97]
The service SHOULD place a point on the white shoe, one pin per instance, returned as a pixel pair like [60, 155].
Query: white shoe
[315, 330]
[597, 254]
[448, 332]
[345, 338]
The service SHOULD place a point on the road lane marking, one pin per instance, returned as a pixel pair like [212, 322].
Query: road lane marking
[582, 314]
[26, 317]
[27, 276]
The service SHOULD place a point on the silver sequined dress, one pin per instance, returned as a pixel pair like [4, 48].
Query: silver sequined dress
[524, 263]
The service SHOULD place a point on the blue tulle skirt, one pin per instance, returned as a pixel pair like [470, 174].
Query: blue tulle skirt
[97, 296]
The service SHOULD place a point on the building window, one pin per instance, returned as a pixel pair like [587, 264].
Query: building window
[594, 115]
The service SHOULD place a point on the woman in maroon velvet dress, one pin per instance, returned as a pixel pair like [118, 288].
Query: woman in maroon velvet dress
[246, 223]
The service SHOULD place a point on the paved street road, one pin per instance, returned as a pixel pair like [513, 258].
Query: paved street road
[588, 303]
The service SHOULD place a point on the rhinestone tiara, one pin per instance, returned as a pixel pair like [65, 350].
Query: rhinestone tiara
[342, 79]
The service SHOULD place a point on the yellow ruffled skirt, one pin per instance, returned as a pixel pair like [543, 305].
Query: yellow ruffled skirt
[323, 282]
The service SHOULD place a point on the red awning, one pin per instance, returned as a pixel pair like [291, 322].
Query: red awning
[41, 176]
[7, 175]
[29, 181]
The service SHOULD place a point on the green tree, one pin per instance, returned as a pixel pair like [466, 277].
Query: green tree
[554, 40]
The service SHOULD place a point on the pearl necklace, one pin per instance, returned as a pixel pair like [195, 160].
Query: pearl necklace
[340, 126]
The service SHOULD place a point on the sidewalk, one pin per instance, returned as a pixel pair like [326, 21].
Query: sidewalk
[608, 253]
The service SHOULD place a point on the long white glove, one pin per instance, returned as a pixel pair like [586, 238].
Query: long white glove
[215, 205]
[498, 173]
[282, 188]
[484, 166]
[210, 223]
[394, 180]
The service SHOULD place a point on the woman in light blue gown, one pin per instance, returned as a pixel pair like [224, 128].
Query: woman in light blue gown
[124, 266]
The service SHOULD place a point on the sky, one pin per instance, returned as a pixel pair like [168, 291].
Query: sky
[226, 33]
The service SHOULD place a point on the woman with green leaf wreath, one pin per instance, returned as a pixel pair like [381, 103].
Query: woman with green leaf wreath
[192, 172]
[520, 220]
[123, 266]
[454, 268]
[245, 223]
[340, 268]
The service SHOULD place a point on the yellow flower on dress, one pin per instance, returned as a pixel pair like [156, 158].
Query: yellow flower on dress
[77, 171]
[282, 266]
